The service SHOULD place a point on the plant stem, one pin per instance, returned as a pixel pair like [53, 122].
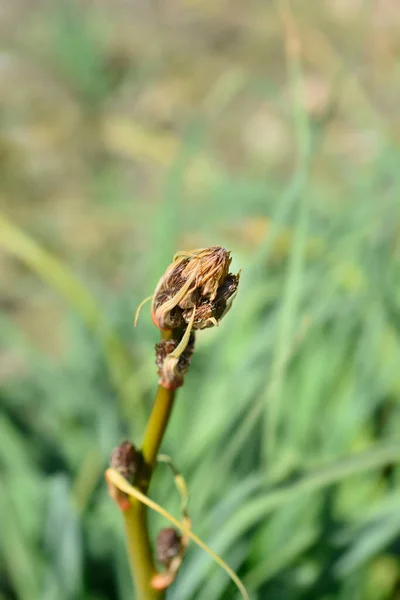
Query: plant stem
[140, 552]
[157, 424]
[139, 547]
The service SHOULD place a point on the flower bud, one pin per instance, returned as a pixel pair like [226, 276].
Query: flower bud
[127, 460]
[168, 545]
[195, 279]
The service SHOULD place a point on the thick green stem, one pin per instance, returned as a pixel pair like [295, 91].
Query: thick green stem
[140, 552]
[157, 424]
[139, 547]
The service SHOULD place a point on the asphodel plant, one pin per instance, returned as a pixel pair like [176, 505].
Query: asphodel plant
[195, 293]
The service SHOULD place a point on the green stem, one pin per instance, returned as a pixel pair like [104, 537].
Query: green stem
[140, 552]
[136, 528]
[158, 421]
[157, 424]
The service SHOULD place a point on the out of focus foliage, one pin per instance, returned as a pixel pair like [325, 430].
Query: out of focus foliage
[129, 130]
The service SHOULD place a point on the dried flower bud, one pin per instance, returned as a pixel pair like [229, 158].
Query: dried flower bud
[172, 370]
[168, 545]
[194, 278]
[127, 460]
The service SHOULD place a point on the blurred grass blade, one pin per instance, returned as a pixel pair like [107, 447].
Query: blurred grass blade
[286, 331]
[58, 276]
[52, 271]
[257, 509]
[289, 552]
[296, 261]
[63, 538]
[330, 474]
[21, 561]
[369, 543]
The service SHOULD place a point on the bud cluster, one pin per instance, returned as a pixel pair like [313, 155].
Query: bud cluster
[194, 293]
[171, 371]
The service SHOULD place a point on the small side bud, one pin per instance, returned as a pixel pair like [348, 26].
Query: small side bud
[171, 370]
[168, 545]
[127, 460]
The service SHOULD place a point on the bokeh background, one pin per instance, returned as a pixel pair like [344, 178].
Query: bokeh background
[132, 129]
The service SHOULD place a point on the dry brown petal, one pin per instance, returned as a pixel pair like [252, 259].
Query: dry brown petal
[210, 267]
[208, 313]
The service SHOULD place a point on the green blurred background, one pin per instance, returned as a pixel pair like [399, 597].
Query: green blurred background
[132, 129]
